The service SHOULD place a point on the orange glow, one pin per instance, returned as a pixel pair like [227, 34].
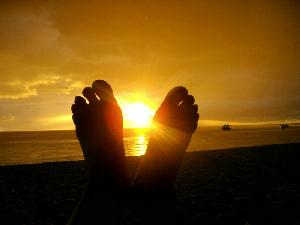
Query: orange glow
[137, 115]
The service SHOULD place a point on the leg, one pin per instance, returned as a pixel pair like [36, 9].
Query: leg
[99, 128]
[174, 123]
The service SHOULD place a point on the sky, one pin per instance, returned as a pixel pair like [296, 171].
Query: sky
[240, 59]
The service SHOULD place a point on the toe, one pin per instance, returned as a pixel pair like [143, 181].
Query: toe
[89, 94]
[79, 105]
[171, 101]
[194, 109]
[188, 100]
[78, 110]
[176, 95]
[102, 85]
[186, 107]
[103, 90]
[196, 117]
[188, 114]
[111, 111]
[79, 100]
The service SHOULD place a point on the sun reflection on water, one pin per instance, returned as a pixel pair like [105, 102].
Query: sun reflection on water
[140, 145]
[136, 145]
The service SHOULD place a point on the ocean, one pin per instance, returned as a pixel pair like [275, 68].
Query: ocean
[48, 146]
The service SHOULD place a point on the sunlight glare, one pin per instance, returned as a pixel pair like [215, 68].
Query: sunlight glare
[137, 115]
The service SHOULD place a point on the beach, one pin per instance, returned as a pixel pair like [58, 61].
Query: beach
[249, 185]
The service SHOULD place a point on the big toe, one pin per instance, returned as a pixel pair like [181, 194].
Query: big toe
[176, 95]
[104, 91]
[112, 111]
[168, 108]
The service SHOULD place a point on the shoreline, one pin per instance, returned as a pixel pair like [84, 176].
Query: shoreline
[254, 185]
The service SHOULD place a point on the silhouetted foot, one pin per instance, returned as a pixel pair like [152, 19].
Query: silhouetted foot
[174, 123]
[99, 128]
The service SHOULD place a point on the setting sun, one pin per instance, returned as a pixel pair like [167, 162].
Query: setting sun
[137, 115]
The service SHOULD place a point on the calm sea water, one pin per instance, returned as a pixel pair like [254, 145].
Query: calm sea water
[49, 146]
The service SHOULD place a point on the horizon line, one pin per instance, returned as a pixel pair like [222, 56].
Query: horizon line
[202, 123]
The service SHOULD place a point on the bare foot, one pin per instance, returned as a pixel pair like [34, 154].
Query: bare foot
[99, 129]
[174, 123]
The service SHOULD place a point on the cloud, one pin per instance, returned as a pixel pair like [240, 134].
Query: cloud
[51, 84]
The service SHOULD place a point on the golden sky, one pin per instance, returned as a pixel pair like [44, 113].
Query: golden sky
[240, 59]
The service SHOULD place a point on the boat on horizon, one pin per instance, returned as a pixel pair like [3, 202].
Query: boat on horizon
[284, 126]
[226, 127]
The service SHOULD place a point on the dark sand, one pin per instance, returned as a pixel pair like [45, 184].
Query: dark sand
[255, 185]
